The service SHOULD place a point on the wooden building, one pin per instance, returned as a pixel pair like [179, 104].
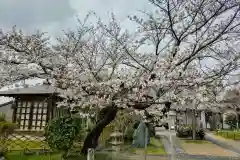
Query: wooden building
[34, 106]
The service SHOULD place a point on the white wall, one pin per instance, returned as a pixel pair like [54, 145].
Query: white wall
[8, 111]
[187, 118]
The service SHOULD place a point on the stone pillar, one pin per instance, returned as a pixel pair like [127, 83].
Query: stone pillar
[172, 118]
[90, 155]
[203, 119]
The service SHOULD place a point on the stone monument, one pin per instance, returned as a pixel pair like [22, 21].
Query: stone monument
[139, 136]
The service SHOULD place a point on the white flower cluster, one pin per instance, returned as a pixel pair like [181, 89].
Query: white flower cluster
[102, 64]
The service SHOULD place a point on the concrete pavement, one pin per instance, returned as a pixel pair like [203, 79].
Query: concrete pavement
[176, 149]
[169, 140]
[225, 143]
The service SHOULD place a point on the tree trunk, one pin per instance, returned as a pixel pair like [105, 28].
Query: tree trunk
[107, 115]
[237, 118]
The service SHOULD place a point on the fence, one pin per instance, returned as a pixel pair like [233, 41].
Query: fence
[235, 135]
[25, 140]
[34, 143]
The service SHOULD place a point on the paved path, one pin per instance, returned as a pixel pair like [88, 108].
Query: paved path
[172, 145]
[180, 157]
[206, 149]
[225, 143]
[179, 152]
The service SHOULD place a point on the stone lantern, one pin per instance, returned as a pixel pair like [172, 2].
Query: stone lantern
[116, 140]
[172, 118]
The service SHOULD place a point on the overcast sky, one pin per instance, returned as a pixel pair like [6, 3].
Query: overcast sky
[54, 15]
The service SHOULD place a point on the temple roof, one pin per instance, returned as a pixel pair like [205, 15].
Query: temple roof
[34, 90]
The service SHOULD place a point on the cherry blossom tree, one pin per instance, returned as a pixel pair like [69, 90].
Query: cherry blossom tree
[107, 67]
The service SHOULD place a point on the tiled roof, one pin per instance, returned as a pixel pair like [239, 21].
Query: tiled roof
[43, 89]
[19, 84]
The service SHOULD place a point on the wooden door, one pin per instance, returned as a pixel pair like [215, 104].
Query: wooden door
[31, 115]
[23, 114]
[39, 115]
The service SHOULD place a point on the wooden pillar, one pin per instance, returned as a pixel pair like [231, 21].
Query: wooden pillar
[31, 115]
[15, 107]
[186, 116]
[221, 119]
[237, 117]
[53, 106]
[48, 117]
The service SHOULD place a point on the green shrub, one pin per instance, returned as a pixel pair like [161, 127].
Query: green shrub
[201, 134]
[185, 131]
[7, 127]
[151, 129]
[2, 117]
[61, 132]
[128, 135]
[136, 124]
[105, 135]
[235, 135]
